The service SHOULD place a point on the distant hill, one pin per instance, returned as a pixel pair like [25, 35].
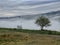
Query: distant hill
[27, 17]
[10, 17]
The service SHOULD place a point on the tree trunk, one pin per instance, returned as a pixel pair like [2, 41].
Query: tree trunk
[41, 27]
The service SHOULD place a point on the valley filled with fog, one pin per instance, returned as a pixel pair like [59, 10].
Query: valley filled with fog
[28, 22]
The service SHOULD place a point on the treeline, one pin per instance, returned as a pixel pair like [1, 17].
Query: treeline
[49, 32]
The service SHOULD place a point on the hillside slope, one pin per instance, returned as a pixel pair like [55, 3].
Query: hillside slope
[8, 37]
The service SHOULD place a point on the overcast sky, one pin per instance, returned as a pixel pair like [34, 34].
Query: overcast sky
[27, 7]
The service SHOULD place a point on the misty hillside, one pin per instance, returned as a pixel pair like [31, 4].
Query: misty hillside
[54, 14]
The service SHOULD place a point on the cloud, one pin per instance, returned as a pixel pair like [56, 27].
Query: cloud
[27, 7]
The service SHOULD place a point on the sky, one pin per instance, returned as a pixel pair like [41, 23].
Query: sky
[27, 7]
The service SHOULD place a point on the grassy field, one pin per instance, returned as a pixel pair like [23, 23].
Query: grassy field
[28, 37]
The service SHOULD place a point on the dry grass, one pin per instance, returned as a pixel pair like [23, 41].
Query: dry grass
[20, 38]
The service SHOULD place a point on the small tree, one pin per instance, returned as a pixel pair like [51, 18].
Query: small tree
[43, 22]
[19, 27]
